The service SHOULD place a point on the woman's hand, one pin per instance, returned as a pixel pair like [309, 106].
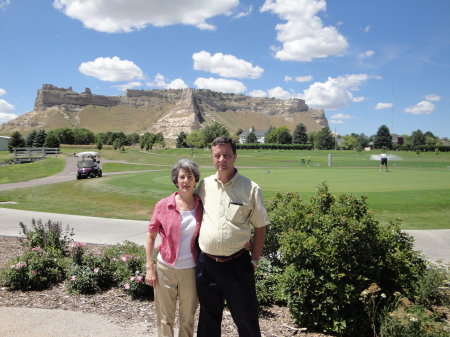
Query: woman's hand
[248, 246]
[151, 278]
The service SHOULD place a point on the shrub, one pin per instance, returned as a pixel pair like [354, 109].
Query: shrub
[82, 280]
[332, 249]
[433, 287]
[46, 235]
[36, 269]
[76, 250]
[137, 287]
[410, 320]
[129, 260]
[268, 283]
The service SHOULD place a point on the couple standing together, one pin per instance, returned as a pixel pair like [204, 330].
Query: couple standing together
[202, 256]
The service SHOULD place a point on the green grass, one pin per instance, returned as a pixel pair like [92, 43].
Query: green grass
[29, 171]
[119, 167]
[417, 188]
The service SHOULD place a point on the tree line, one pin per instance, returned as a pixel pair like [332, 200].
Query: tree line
[300, 138]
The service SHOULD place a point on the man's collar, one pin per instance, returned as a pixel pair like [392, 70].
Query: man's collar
[231, 181]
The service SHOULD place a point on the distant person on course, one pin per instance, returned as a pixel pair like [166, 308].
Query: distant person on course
[384, 160]
[177, 219]
[233, 207]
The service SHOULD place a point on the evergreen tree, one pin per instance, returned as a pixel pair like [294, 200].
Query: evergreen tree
[51, 140]
[181, 140]
[251, 138]
[300, 136]
[16, 140]
[30, 138]
[383, 139]
[324, 139]
[39, 140]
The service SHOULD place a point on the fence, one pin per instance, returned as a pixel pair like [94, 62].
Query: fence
[30, 154]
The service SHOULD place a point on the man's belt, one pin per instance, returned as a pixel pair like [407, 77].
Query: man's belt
[222, 259]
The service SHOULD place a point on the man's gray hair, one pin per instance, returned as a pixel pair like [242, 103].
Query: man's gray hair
[188, 165]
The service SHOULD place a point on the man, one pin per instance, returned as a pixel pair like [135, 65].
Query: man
[233, 206]
[383, 162]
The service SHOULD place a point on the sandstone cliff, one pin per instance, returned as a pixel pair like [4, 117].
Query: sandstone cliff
[166, 111]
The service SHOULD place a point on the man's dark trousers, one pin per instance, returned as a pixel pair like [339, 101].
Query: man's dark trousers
[233, 281]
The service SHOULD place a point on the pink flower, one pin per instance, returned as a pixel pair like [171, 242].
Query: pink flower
[132, 278]
[36, 249]
[139, 278]
[96, 270]
[126, 286]
[73, 278]
[123, 258]
[34, 272]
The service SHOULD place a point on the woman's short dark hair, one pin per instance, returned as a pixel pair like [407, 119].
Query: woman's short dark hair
[222, 140]
[185, 164]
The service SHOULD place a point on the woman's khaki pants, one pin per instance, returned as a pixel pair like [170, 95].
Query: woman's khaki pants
[173, 284]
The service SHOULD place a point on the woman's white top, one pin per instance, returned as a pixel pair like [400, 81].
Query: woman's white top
[185, 259]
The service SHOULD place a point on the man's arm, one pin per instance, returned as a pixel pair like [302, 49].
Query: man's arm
[258, 242]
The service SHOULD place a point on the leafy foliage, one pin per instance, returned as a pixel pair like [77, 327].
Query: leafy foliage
[49, 235]
[331, 249]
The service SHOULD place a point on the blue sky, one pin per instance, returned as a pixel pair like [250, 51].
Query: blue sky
[366, 63]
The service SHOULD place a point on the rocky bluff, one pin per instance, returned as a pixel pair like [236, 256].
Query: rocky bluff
[168, 111]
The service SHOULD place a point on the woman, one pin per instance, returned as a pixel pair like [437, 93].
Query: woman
[177, 219]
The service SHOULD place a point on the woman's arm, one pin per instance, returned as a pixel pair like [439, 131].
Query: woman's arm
[151, 278]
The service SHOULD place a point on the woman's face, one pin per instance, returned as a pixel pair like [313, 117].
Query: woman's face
[186, 181]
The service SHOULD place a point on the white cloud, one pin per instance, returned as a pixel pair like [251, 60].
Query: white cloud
[367, 29]
[6, 110]
[300, 79]
[341, 116]
[129, 85]
[2, 91]
[366, 54]
[4, 3]
[336, 121]
[245, 12]
[358, 99]
[160, 82]
[111, 69]
[335, 93]
[177, 84]
[307, 78]
[303, 36]
[225, 65]
[279, 92]
[129, 15]
[381, 106]
[421, 108]
[433, 98]
[220, 84]
[257, 93]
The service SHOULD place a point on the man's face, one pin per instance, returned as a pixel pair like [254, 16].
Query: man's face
[223, 158]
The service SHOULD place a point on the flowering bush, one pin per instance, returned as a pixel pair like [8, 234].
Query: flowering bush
[76, 250]
[82, 280]
[136, 286]
[36, 269]
[49, 235]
